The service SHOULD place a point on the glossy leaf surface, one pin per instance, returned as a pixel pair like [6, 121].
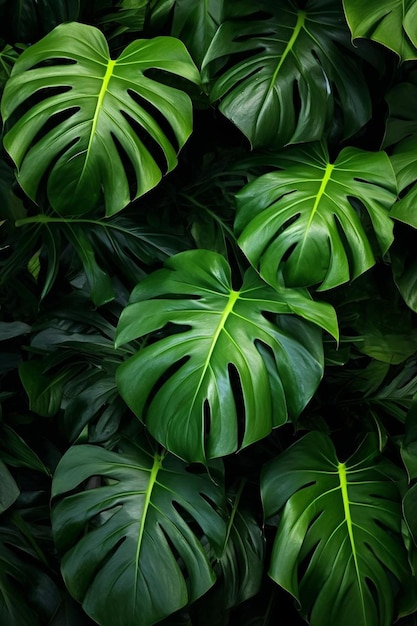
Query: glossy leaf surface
[338, 549]
[105, 113]
[300, 220]
[393, 23]
[222, 356]
[284, 70]
[131, 545]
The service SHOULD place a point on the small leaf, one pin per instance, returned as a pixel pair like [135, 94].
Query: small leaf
[44, 392]
[9, 491]
[8, 330]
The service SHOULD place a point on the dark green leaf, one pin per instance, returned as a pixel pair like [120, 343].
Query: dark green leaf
[296, 55]
[9, 490]
[44, 392]
[389, 22]
[338, 548]
[131, 551]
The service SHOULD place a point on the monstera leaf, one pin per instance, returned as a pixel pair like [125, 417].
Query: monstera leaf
[196, 23]
[338, 549]
[390, 22]
[132, 551]
[285, 70]
[99, 121]
[305, 219]
[224, 375]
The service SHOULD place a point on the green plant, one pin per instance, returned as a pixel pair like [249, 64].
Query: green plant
[208, 322]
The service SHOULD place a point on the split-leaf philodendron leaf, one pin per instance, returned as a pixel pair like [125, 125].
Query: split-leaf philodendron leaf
[93, 114]
[300, 219]
[285, 70]
[338, 549]
[131, 542]
[221, 357]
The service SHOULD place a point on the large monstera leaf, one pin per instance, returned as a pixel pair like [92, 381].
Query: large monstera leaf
[392, 23]
[284, 70]
[309, 218]
[338, 548]
[89, 124]
[222, 375]
[131, 540]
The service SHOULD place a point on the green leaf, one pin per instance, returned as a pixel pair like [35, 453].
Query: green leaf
[402, 120]
[132, 551]
[410, 511]
[44, 392]
[338, 548]
[389, 22]
[9, 491]
[9, 330]
[99, 281]
[308, 218]
[196, 23]
[16, 452]
[386, 331]
[28, 20]
[100, 120]
[293, 55]
[28, 593]
[222, 357]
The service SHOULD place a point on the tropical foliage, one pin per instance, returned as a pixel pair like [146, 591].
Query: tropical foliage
[208, 321]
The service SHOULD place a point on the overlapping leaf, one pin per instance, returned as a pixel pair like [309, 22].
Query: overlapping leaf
[132, 551]
[392, 23]
[308, 219]
[338, 549]
[99, 122]
[224, 375]
[285, 70]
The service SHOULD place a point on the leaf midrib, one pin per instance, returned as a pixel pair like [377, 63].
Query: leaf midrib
[106, 79]
[349, 523]
[157, 464]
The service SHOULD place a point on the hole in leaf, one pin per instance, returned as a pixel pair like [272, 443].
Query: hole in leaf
[306, 559]
[159, 118]
[127, 166]
[39, 96]
[54, 62]
[296, 98]
[169, 372]
[173, 548]
[54, 121]
[239, 399]
[151, 145]
[206, 419]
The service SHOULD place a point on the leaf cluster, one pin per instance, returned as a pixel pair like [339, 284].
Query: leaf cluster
[208, 320]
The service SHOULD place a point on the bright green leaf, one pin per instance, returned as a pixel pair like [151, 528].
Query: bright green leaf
[223, 357]
[301, 220]
[100, 109]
